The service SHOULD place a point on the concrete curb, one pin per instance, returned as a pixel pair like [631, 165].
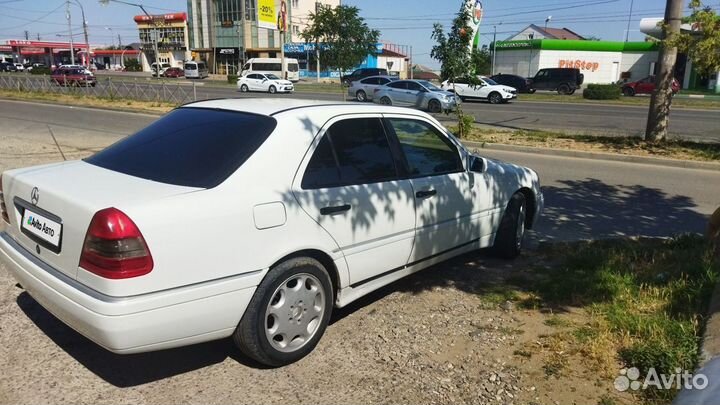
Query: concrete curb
[711, 338]
[688, 164]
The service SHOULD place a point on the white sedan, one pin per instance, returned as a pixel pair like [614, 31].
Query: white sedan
[264, 82]
[253, 219]
[485, 89]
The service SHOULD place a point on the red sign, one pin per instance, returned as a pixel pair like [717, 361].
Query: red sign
[161, 17]
[579, 64]
[7, 48]
[42, 44]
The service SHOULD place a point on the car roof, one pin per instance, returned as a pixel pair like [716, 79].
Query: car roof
[272, 106]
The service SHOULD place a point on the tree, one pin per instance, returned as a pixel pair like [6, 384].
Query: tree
[453, 52]
[481, 61]
[702, 45]
[341, 36]
[659, 114]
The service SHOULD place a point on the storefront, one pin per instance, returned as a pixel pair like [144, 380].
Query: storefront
[171, 34]
[49, 53]
[599, 61]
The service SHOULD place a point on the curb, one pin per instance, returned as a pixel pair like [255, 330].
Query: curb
[711, 338]
[686, 164]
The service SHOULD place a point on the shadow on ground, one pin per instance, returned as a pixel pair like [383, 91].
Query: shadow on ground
[580, 210]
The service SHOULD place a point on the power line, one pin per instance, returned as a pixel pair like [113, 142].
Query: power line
[37, 19]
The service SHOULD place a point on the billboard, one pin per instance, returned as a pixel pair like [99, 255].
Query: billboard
[475, 7]
[267, 17]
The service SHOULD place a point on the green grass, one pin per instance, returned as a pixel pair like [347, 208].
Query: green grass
[678, 102]
[651, 297]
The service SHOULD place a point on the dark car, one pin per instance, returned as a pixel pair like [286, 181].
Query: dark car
[562, 80]
[173, 72]
[7, 67]
[523, 85]
[361, 74]
[646, 86]
[73, 77]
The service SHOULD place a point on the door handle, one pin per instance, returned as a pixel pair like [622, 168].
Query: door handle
[334, 209]
[425, 193]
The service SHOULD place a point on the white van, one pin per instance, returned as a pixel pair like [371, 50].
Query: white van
[272, 65]
[195, 70]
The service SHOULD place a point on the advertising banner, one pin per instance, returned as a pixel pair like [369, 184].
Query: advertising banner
[475, 7]
[267, 17]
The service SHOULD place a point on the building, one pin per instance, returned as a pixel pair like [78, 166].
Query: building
[388, 56]
[599, 61]
[171, 33]
[49, 53]
[225, 33]
[533, 31]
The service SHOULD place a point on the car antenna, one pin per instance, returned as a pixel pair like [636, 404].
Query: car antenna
[56, 143]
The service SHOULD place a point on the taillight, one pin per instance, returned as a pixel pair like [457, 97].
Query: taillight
[3, 208]
[114, 247]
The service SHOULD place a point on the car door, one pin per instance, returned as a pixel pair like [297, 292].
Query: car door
[369, 84]
[443, 190]
[414, 94]
[350, 185]
[396, 91]
[646, 85]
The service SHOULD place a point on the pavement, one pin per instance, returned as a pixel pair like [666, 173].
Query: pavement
[584, 198]
[579, 118]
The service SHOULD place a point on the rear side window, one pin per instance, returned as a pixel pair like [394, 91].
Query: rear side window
[352, 151]
[193, 147]
[189, 66]
[398, 85]
[426, 150]
[372, 80]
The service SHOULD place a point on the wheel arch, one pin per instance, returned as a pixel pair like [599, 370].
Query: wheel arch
[323, 258]
[531, 205]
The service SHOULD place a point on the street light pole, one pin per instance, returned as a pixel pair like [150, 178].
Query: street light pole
[70, 36]
[154, 39]
[85, 31]
[627, 34]
[494, 48]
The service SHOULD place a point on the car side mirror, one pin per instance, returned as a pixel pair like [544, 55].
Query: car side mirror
[477, 164]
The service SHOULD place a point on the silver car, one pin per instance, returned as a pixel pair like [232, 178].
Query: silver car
[416, 93]
[363, 89]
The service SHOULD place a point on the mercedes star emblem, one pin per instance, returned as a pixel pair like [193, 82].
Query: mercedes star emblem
[34, 196]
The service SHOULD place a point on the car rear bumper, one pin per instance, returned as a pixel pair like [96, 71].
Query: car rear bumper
[170, 318]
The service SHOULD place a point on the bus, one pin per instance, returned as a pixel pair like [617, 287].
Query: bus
[272, 65]
[195, 70]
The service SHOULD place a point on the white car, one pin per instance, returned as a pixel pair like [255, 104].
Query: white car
[20, 67]
[255, 226]
[486, 89]
[266, 82]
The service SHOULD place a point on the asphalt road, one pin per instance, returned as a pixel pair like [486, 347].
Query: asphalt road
[578, 118]
[584, 198]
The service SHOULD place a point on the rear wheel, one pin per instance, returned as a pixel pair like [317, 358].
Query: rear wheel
[531, 91]
[385, 101]
[361, 96]
[495, 98]
[563, 89]
[244, 88]
[628, 91]
[508, 241]
[434, 106]
[288, 314]
[272, 90]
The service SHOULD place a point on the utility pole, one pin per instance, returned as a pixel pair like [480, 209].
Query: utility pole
[494, 48]
[627, 35]
[27, 35]
[119, 42]
[411, 63]
[70, 36]
[85, 31]
[659, 114]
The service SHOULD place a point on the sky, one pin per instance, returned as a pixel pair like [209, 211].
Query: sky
[403, 22]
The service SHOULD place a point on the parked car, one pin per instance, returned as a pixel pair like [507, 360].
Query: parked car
[7, 67]
[646, 86]
[563, 80]
[63, 76]
[264, 82]
[30, 66]
[81, 67]
[154, 68]
[19, 66]
[173, 72]
[521, 84]
[361, 74]
[362, 90]
[252, 219]
[485, 89]
[415, 93]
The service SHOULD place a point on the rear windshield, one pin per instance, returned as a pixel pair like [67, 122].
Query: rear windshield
[189, 66]
[193, 147]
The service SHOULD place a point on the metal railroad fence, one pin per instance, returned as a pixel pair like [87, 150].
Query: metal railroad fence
[105, 87]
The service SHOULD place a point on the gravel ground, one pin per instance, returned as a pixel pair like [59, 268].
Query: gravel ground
[434, 337]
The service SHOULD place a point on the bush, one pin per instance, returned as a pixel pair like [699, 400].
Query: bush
[232, 79]
[41, 71]
[602, 92]
[132, 65]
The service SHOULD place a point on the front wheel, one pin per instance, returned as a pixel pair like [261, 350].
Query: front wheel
[272, 90]
[385, 101]
[628, 91]
[434, 106]
[244, 88]
[510, 234]
[495, 98]
[563, 89]
[288, 314]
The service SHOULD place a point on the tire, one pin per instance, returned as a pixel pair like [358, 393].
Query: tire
[361, 96]
[244, 88]
[495, 98]
[508, 241]
[385, 101]
[563, 89]
[532, 91]
[434, 106]
[628, 91]
[259, 333]
[272, 90]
